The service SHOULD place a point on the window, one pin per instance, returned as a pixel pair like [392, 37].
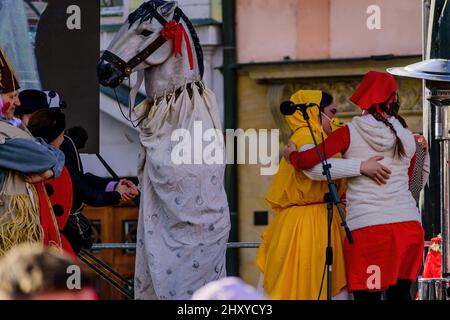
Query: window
[111, 7]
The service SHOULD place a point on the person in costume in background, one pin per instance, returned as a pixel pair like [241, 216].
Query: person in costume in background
[384, 219]
[90, 189]
[79, 136]
[95, 191]
[24, 160]
[55, 195]
[87, 188]
[292, 253]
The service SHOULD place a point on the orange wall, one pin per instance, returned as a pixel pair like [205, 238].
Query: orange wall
[269, 30]
[266, 29]
[313, 29]
[400, 33]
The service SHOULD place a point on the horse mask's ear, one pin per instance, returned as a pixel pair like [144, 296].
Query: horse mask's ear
[167, 9]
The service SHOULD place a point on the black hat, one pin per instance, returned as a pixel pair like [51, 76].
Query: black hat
[8, 81]
[31, 101]
[47, 124]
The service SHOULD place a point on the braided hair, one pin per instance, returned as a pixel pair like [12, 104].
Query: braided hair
[392, 110]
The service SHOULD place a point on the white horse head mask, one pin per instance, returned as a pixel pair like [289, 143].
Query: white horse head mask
[148, 39]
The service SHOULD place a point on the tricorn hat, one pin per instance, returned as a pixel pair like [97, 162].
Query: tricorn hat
[8, 81]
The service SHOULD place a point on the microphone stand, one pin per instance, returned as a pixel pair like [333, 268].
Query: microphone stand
[330, 198]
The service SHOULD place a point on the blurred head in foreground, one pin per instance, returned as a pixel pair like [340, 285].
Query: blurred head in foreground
[228, 289]
[32, 272]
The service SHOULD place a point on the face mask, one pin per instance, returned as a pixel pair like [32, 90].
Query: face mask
[334, 122]
[324, 115]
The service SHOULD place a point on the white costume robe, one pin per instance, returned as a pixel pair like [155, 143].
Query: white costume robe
[184, 218]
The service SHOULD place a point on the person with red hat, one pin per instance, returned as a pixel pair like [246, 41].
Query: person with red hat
[385, 222]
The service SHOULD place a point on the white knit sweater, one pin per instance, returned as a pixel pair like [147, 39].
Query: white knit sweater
[340, 168]
[369, 204]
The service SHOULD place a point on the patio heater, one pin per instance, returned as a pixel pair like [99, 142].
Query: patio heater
[435, 73]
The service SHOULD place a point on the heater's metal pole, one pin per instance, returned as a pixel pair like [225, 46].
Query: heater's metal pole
[435, 71]
[439, 100]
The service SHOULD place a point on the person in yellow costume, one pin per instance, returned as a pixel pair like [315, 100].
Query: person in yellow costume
[292, 253]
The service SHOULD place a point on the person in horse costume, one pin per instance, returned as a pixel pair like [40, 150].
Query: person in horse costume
[184, 218]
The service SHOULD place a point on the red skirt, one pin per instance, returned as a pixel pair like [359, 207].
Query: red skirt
[383, 254]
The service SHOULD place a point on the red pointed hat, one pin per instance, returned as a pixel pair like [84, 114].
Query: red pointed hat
[376, 87]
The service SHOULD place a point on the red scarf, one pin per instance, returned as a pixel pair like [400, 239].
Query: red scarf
[376, 87]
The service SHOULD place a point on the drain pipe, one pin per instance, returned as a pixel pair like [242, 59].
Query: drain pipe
[230, 102]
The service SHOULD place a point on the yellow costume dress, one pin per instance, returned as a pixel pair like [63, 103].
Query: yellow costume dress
[292, 253]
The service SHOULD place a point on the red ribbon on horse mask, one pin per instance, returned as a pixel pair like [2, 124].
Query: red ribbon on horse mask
[175, 31]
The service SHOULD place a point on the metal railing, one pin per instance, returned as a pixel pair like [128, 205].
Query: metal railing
[132, 246]
[107, 273]
[123, 285]
[230, 245]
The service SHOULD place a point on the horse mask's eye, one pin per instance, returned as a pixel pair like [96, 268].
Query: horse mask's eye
[146, 33]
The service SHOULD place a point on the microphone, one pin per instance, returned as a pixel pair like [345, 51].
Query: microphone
[288, 107]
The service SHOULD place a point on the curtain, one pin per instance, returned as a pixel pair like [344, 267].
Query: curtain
[16, 41]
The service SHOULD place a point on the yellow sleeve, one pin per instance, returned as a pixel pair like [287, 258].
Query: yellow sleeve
[302, 136]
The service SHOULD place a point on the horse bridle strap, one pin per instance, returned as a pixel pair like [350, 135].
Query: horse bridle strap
[127, 67]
